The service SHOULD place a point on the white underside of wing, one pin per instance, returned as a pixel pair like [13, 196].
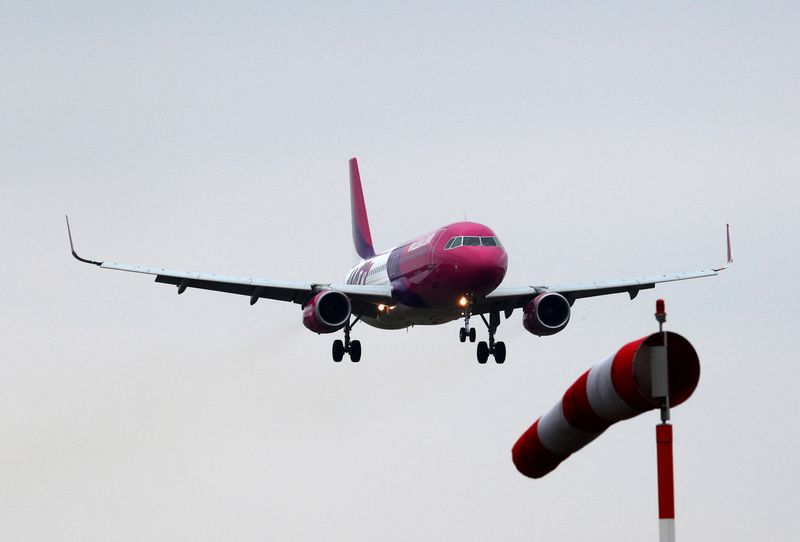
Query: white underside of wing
[600, 287]
[507, 292]
[370, 293]
[228, 279]
[571, 287]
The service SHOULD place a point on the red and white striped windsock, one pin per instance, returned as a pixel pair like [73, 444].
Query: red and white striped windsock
[616, 389]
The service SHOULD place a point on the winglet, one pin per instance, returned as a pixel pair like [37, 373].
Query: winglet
[730, 254]
[72, 247]
[361, 234]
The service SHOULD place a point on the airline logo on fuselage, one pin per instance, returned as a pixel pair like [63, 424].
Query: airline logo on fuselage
[359, 275]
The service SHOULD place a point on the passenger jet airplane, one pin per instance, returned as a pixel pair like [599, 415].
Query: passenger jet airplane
[450, 273]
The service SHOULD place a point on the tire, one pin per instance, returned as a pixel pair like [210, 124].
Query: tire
[337, 350]
[472, 335]
[355, 351]
[500, 352]
[483, 352]
[462, 335]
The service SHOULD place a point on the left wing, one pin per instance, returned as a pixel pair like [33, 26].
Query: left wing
[510, 298]
[364, 299]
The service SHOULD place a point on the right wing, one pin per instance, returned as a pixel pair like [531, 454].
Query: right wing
[364, 299]
[510, 298]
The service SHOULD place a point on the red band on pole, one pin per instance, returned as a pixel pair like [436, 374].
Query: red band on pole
[666, 488]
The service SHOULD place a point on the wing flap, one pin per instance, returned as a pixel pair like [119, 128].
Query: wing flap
[253, 291]
[632, 286]
[515, 297]
[281, 290]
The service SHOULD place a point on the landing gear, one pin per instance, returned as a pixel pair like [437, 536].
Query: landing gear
[500, 352]
[483, 352]
[496, 349]
[355, 351]
[338, 350]
[466, 331]
[353, 348]
[463, 334]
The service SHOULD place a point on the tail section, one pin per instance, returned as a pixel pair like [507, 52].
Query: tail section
[361, 235]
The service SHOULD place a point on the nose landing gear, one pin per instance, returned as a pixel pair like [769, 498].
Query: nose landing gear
[466, 331]
[353, 348]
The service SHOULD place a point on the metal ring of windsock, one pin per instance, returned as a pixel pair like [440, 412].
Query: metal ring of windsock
[616, 389]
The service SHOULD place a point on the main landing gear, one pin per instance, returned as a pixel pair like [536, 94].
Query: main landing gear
[353, 348]
[496, 349]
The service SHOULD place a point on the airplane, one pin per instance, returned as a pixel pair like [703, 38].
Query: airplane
[451, 273]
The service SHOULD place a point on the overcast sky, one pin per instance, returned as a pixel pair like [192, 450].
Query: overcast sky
[599, 140]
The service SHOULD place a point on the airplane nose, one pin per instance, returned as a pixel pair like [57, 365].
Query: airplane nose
[483, 270]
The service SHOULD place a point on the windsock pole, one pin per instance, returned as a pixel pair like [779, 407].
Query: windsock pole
[666, 488]
[660, 390]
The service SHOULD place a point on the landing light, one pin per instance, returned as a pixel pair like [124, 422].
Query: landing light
[381, 308]
[463, 301]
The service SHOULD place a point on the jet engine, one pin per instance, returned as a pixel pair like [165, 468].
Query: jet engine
[546, 314]
[326, 312]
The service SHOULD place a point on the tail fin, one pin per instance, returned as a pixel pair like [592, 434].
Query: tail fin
[361, 235]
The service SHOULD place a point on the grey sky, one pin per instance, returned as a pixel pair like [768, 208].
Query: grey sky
[599, 141]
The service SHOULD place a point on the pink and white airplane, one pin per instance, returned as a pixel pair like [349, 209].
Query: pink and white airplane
[450, 273]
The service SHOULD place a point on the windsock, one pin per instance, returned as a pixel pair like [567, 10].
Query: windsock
[616, 389]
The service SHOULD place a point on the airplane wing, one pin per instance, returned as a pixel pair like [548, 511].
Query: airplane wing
[364, 299]
[510, 298]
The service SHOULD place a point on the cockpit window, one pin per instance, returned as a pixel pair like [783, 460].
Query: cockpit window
[472, 241]
[453, 243]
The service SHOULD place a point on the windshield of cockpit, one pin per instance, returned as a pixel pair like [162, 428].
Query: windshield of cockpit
[471, 241]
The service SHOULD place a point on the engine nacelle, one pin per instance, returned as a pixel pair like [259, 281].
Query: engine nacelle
[326, 312]
[546, 314]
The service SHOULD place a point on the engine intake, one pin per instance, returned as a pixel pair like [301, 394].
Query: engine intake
[546, 314]
[326, 312]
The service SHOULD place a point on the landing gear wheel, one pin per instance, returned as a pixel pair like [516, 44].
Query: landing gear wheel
[462, 334]
[472, 335]
[337, 350]
[500, 352]
[483, 352]
[355, 351]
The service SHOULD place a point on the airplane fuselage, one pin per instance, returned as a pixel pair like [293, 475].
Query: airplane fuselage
[430, 274]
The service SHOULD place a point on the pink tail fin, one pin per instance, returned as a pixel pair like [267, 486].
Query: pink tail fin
[361, 234]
